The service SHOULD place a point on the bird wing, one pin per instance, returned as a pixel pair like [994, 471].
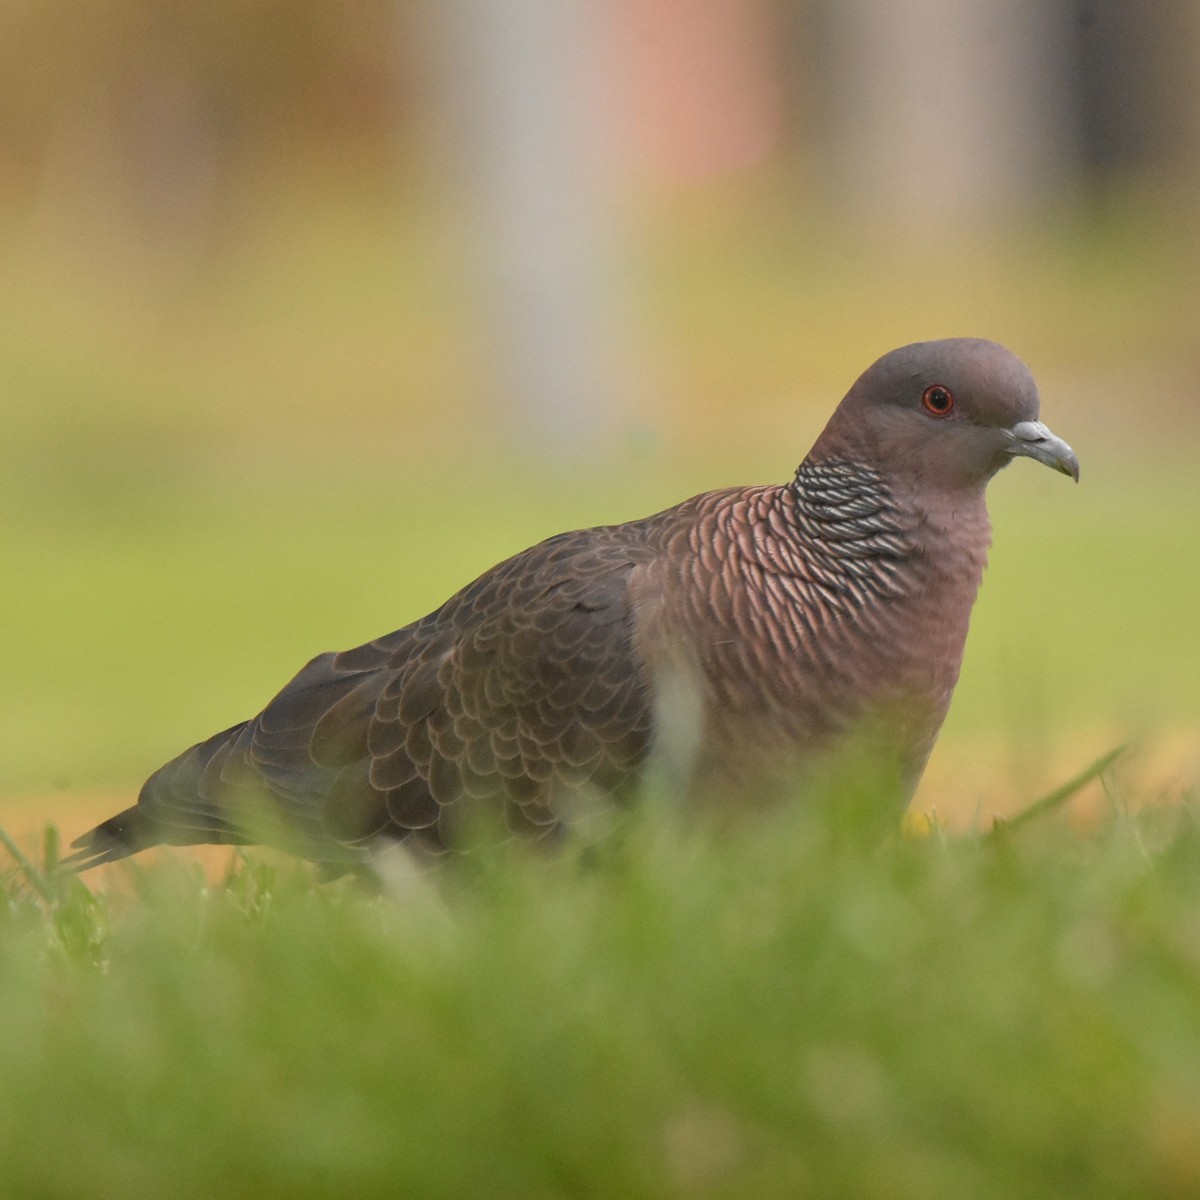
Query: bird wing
[519, 693]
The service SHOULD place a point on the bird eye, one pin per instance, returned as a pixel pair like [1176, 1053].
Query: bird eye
[938, 400]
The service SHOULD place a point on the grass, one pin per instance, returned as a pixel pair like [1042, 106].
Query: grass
[674, 1011]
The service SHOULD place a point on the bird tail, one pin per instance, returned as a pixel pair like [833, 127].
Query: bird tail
[118, 837]
[183, 803]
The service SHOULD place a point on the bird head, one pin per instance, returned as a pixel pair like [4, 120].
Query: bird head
[948, 414]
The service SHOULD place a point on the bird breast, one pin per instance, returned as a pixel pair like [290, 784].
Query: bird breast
[807, 610]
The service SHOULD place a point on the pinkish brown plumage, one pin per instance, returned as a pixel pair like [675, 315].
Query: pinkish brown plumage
[730, 642]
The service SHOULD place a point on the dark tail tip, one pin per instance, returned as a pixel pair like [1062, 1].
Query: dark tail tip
[118, 837]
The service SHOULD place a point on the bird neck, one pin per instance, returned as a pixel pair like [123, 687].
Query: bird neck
[853, 526]
[883, 531]
[896, 569]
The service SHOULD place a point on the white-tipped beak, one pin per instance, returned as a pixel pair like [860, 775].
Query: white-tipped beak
[1032, 439]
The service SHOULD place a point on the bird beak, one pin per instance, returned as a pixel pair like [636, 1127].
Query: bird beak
[1031, 439]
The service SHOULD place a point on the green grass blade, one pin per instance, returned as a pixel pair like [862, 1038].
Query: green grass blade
[1059, 796]
[39, 882]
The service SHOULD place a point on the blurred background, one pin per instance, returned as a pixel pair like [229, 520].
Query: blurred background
[311, 312]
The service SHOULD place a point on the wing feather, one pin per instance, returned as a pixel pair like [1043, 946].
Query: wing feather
[520, 689]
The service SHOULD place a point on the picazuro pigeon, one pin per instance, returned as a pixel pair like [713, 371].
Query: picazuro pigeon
[723, 646]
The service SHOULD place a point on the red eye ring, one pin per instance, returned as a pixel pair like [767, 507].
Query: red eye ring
[938, 401]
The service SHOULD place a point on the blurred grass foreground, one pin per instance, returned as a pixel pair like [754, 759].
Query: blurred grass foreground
[769, 1012]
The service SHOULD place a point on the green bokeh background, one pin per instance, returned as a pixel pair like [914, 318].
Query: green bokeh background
[229, 445]
[196, 500]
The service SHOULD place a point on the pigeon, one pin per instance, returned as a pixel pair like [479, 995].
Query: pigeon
[719, 647]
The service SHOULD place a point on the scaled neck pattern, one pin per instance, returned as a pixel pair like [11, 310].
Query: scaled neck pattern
[854, 528]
